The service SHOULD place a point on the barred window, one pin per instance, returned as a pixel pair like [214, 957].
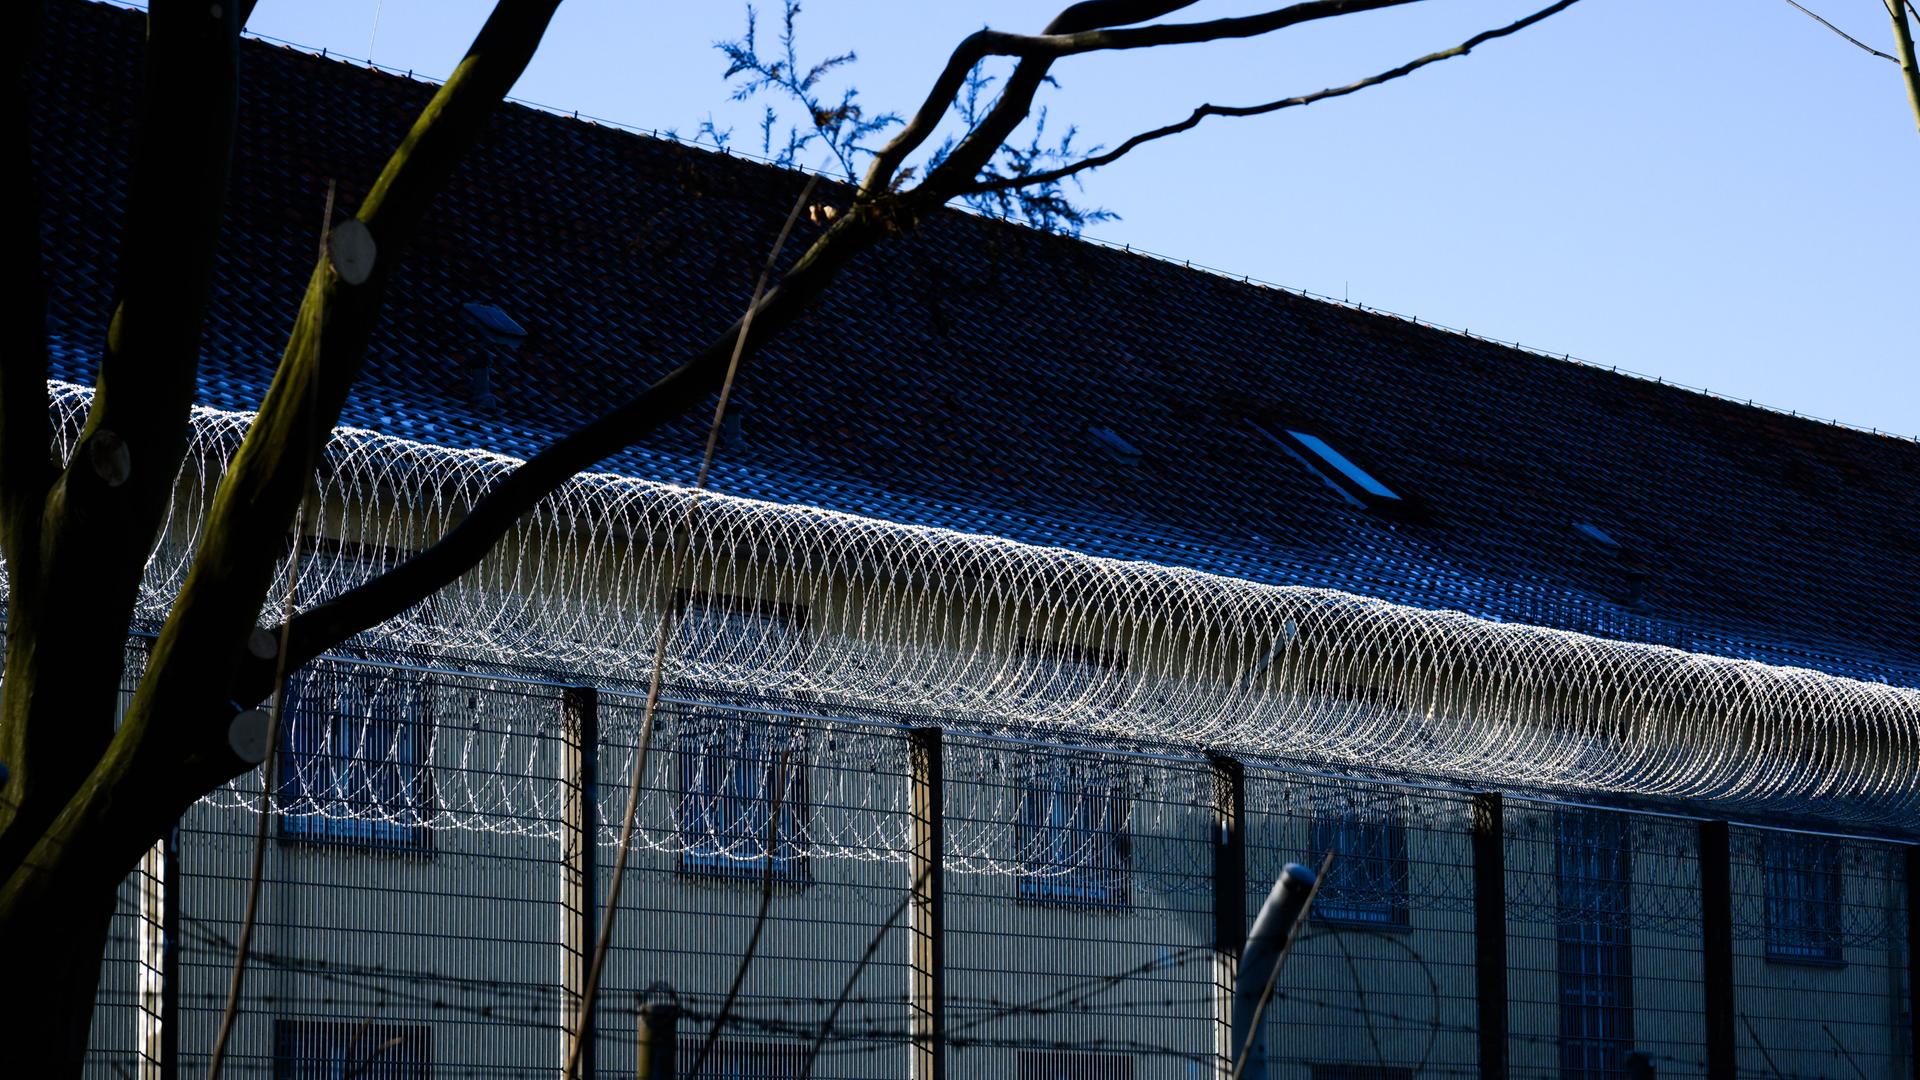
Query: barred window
[1072, 1065]
[1803, 897]
[331, 1049]
[735, 774]
[1072, 835]
[747, 1059]
[1368, 880]
[736, 771]
[1593, 879]
[355, 755]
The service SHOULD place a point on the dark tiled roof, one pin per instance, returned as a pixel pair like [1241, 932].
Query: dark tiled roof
[952, 376]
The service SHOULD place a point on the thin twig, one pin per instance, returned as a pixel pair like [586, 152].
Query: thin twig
[1071, 35]
[846, 990]
[1838, 1045]
[1856, 41]
[746, 327]
[1193, 119]
[257, 872]
[661, 637]
[1762, 1047]
[372, 1056]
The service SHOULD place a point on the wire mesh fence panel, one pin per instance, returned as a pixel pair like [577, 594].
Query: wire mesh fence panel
[1819, 956]
[1380, 981]
[396, 936]
[761, 836]
[436, 867]
[114, 1046]
[1079, 915]
[1604, 942]
[124, 1037]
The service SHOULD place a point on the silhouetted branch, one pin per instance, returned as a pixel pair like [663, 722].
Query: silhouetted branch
[1205, 111]
[100, 514]
[141, 778]
[1909, 63]
[1080, 29]
[1856, 42]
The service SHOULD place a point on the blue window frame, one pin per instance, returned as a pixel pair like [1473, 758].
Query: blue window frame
[736, 770]
[355, 749]
[1803, 898]
[1593, 879]
[1072, 837]
[735, 774]
[1367, 883]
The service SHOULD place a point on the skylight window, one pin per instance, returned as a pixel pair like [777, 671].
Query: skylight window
[1353, 481]
[1115, 445]
[1339, 461]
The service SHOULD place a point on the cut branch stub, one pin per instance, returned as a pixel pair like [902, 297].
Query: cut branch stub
[351, 250]
[262, 644]
[107, 453]
[247, 735]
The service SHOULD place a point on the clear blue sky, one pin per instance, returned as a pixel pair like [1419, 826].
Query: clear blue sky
[1717, 192]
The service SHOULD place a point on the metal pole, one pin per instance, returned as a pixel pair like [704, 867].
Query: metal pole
[925, 994]
[159, 1012]
[1229, 901]
[579, 863]
[1913, 958]
[1716, 948]
[1490, 931]
[1266, 943]
[656, 1056]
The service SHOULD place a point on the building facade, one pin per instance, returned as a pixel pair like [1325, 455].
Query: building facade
[1047, 601]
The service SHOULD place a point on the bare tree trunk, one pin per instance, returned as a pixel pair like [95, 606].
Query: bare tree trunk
[86, 797]
[52, 975]
[1903, 42]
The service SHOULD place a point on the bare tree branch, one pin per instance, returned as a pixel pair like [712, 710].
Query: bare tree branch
[25, 471]
[1205, 111]
[102, 512]
[1909, 64]
[662, 635]
[1081, 28]
[1854, 40]
[777, 787]
[141, 775]
[325, 625]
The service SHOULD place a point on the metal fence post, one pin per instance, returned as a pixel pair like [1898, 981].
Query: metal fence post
[1716, 947]
[656, 1055]
[1229, 901]
[579, 862]
[158, 1017]
[925, 993]
[1490, 931]
[1913, 958]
